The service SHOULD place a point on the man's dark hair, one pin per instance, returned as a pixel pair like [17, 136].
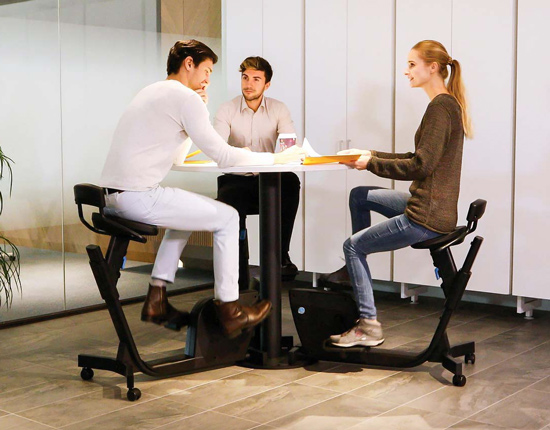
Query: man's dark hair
[257, 63]
[182, 49]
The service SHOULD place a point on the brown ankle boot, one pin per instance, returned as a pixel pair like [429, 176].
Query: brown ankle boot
[156, 309]
[234, 317]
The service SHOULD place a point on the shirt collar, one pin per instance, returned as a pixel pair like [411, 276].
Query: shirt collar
[262, 104]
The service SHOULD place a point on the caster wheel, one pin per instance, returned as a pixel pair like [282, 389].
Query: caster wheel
[86, 373]
[470, 358]
[459, 380]
[133, 394]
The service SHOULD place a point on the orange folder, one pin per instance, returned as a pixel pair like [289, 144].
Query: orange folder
[324, 159]
[197, 161]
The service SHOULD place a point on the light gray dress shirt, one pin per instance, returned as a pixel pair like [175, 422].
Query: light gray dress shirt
[240, 126]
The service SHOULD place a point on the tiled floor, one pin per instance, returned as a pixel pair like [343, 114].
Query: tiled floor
[508, 387]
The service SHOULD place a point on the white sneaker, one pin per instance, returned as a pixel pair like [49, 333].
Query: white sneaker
[365, 333]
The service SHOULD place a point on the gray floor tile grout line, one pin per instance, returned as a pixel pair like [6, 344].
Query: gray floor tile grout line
[22, 388]
[131, 405]
[92, 391]
[337, 394]
[34, 421]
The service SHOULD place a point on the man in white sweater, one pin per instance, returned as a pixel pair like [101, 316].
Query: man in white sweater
[147, 139]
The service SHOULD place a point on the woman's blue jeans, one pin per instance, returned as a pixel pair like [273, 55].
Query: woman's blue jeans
[395, 233]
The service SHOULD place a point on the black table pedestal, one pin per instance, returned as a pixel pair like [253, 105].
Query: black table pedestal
[270, 350]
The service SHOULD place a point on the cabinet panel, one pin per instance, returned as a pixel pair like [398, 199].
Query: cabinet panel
[415, 21]
[483, 36]
[480, 27]
[532, 199]
[283, 34]
[263, 22]
[369, 110]
[325, 127]
[237, 43]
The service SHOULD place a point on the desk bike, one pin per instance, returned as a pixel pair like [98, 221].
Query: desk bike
[319, 314]
[206, 346]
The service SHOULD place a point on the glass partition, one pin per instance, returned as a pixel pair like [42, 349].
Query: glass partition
[68, 69]
[30, 134]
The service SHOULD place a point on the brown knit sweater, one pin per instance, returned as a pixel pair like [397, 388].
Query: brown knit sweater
[434, 167]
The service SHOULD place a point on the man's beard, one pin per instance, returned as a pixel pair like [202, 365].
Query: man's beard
[252, 97]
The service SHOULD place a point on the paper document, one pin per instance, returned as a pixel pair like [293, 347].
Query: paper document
[309, 149]
[314, 157]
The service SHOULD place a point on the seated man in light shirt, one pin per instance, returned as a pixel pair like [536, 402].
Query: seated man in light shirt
[254, 121]
[148, 137]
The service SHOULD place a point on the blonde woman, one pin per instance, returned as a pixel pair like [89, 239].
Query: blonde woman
[430, 207]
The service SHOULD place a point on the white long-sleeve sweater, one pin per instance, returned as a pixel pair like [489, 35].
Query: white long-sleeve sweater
[152, 130]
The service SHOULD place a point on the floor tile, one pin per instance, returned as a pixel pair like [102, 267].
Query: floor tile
[483, 328]
[543, 385]
[14, 422]
[407, 418]
[29, 376]
[417, 328]
[464, 401]
[139, 416]
[527, 410]
[272, 404]
[7, 364]
[79, 408]
[508, 384]
[401, 387]
[168, 386]
[346, 377]
[474, 425]
[226, 390]
[299, 374]
[338, 413]
[211, 420]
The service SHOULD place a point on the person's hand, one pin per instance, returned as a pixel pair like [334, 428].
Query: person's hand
[360, 163]
[294, 153]
[204, 95]
[354, 151]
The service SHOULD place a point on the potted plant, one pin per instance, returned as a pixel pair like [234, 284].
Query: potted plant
[9, 254]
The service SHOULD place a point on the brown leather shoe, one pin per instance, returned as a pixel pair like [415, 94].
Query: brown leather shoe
[340, 277]
[234, 317]
[156, 309]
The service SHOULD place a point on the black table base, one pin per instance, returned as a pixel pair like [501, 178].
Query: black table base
[269, 349]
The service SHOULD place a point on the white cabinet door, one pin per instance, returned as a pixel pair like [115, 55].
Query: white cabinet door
[483, 41]
[532, 198]
[283, 47]
[273, 30]
[478, 27]
[415, 21]
[325, 128]
[370, 64]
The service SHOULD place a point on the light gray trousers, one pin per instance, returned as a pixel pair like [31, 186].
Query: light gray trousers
[182, 212]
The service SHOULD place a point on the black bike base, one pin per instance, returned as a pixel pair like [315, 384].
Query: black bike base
[290, 357]
[320, 314]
